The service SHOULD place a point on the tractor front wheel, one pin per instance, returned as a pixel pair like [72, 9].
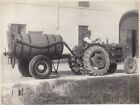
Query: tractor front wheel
[130, 65]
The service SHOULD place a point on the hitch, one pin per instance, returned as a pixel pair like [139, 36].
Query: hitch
[5, 53]
[11, 59]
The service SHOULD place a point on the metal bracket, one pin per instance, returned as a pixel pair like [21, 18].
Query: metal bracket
[12, 61]
[57, 66]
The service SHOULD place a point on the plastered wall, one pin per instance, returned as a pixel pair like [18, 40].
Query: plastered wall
[63, 18]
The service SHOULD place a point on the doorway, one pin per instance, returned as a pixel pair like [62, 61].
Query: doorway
[82, 30]
[132, 42]
[134, 34]
[128, 32]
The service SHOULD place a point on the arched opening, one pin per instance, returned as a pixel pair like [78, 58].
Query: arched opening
[129, 32]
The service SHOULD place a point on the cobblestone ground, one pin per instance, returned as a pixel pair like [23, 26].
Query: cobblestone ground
[10, 75]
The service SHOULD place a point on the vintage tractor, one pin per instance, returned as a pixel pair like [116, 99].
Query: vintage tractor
[100, 59]
[35, 53]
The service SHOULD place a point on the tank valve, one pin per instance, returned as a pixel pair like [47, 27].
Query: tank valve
[5, 53]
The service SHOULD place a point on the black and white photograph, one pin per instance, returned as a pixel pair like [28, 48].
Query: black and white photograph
[69, 52]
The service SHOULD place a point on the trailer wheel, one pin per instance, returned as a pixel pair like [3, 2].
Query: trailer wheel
[23, 67]
[112, 68]
[96, 60]
[40, 67]
[130, 65]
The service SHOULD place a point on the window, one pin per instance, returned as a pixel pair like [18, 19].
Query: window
[83, 3]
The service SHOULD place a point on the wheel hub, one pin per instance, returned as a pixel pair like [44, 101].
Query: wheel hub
[131, 64]
[98, 61]
[41, 67]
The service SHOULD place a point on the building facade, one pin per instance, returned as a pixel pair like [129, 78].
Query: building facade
[129, 31]
[115, 20]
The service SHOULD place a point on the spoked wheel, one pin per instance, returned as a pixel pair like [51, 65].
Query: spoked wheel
[40, 67]
[130, 65]
[96, 60]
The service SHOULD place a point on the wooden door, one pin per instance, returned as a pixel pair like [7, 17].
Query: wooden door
[82, 30]
[132, 42]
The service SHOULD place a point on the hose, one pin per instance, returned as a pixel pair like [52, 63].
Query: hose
[44, 47]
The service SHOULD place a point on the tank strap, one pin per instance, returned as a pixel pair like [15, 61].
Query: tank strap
[62, 45]
[47, 42]
[30, 49]
[55, 44]
[21, 45]
[14, 45]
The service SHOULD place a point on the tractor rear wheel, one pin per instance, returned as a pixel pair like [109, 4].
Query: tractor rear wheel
[23, 67]
[96, 60]
[130, 65]
[112, 68]
[40, 67]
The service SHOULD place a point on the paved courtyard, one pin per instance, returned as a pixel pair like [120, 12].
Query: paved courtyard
[10, 75]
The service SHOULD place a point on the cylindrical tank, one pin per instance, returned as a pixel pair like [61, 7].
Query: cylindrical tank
[37, 39]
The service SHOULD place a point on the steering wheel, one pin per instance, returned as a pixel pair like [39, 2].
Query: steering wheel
[98, 40]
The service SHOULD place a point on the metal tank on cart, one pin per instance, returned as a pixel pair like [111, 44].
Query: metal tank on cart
[35, 52]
